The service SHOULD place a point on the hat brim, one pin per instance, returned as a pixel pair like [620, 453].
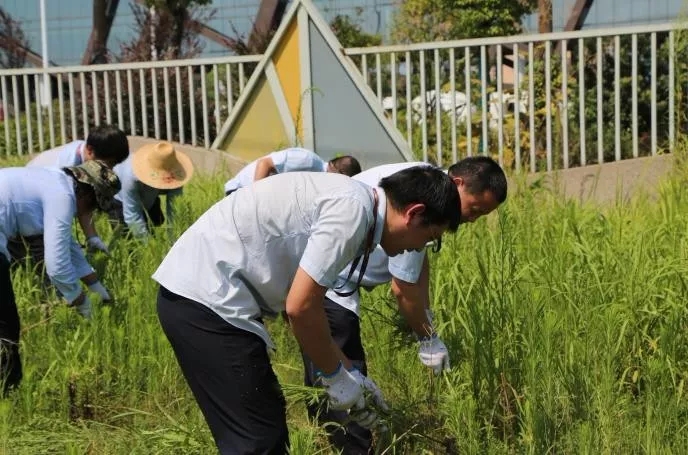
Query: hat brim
[179, 176]
[104, 202]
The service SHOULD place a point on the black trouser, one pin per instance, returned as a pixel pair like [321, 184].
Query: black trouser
[229, 373]
[30, 247]
[10, 362]
[154, 214]
[351, 439]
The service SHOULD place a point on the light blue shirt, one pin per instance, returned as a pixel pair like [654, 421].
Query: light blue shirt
[40, 200]
[64, 156]
[240, 257]
[288, 160]
[381, 268]
[136, 197]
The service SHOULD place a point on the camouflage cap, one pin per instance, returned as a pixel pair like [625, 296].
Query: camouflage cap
[100, 177]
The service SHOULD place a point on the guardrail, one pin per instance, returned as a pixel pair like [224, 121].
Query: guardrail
[534, 102]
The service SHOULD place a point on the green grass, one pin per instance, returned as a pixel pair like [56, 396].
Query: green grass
[566, 325]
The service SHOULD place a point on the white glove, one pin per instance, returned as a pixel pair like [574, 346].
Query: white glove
[98, 288]
[84, 309]
[96, 243]
[433, 354]
[346, 389]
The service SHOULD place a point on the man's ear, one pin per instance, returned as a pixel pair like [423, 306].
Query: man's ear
[458, 181]
[88, 153]
[412, 211]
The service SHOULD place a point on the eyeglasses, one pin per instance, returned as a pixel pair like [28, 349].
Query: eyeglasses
[435, 245]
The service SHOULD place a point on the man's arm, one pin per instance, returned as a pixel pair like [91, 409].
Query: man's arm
[132, 209]
[304, 308]
[57, 238]
[264, 168]
[413, 299]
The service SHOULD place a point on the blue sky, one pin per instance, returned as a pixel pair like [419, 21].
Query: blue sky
[69, 21]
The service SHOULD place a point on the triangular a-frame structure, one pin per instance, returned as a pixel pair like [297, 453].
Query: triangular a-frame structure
[306, 92]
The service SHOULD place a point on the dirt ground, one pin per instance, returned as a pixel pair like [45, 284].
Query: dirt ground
[603, 184]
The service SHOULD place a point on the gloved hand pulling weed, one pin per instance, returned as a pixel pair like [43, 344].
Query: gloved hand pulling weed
[434, 354]
[96, 243]
[350, 390]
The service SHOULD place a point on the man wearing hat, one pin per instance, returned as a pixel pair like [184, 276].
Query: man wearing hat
[153, 170]
[41, 200]
[106, 143]
[294, 159]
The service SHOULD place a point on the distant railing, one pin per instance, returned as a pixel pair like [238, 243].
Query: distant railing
[184, 100]
[556, 100]
[569, 99]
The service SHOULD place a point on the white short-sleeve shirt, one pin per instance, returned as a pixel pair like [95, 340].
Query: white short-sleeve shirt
[63, 156]
[293, 159]
[240, 257]
[381, 268]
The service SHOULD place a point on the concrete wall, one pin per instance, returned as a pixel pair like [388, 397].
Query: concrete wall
[604, 183]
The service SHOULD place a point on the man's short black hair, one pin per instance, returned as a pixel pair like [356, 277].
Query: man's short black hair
[480, 174]
[347, 165]
[428, 185]
[108, 143]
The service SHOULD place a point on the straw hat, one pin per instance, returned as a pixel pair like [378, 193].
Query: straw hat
[160, 166]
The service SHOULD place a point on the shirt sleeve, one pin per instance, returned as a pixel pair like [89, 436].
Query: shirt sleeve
[297, 159]
[79, 261]
[407, 266]
[169, 204]
[58, 213]
[132, 207]
[338, 235]
[279, 160]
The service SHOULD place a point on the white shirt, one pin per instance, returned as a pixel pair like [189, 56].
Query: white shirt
[63, 156]
[41, 200]
[381, 268]
[240, 257]
[137, 197]
[288, 160]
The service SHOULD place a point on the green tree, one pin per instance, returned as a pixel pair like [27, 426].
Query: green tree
[438, 20]
[349, 33]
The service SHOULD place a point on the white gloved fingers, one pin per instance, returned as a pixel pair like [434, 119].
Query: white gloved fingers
[376, 394]
[84, 308]
[365, 418]
[97, 243]
[434, 354]
[344, 389]
[101, 290]
[447, 367]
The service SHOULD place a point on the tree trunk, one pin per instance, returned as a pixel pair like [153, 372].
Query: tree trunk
[100, 24]
[545, 16]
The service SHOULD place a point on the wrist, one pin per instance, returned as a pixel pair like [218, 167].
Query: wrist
[332, 374]
[426, 337]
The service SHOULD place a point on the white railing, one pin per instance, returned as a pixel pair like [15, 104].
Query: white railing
[185, 101]
[552, 107]
[556, 108]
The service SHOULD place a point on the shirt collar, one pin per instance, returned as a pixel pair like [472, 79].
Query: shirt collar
[381, 211]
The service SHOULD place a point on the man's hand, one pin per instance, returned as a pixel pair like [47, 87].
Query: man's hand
[434, 354]
[96, 243]
[82, 305]
[345, 390]
[349, 389]
[99, 289]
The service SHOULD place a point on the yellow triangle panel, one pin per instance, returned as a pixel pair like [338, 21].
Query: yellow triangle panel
[286, 62]
[259, 129]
